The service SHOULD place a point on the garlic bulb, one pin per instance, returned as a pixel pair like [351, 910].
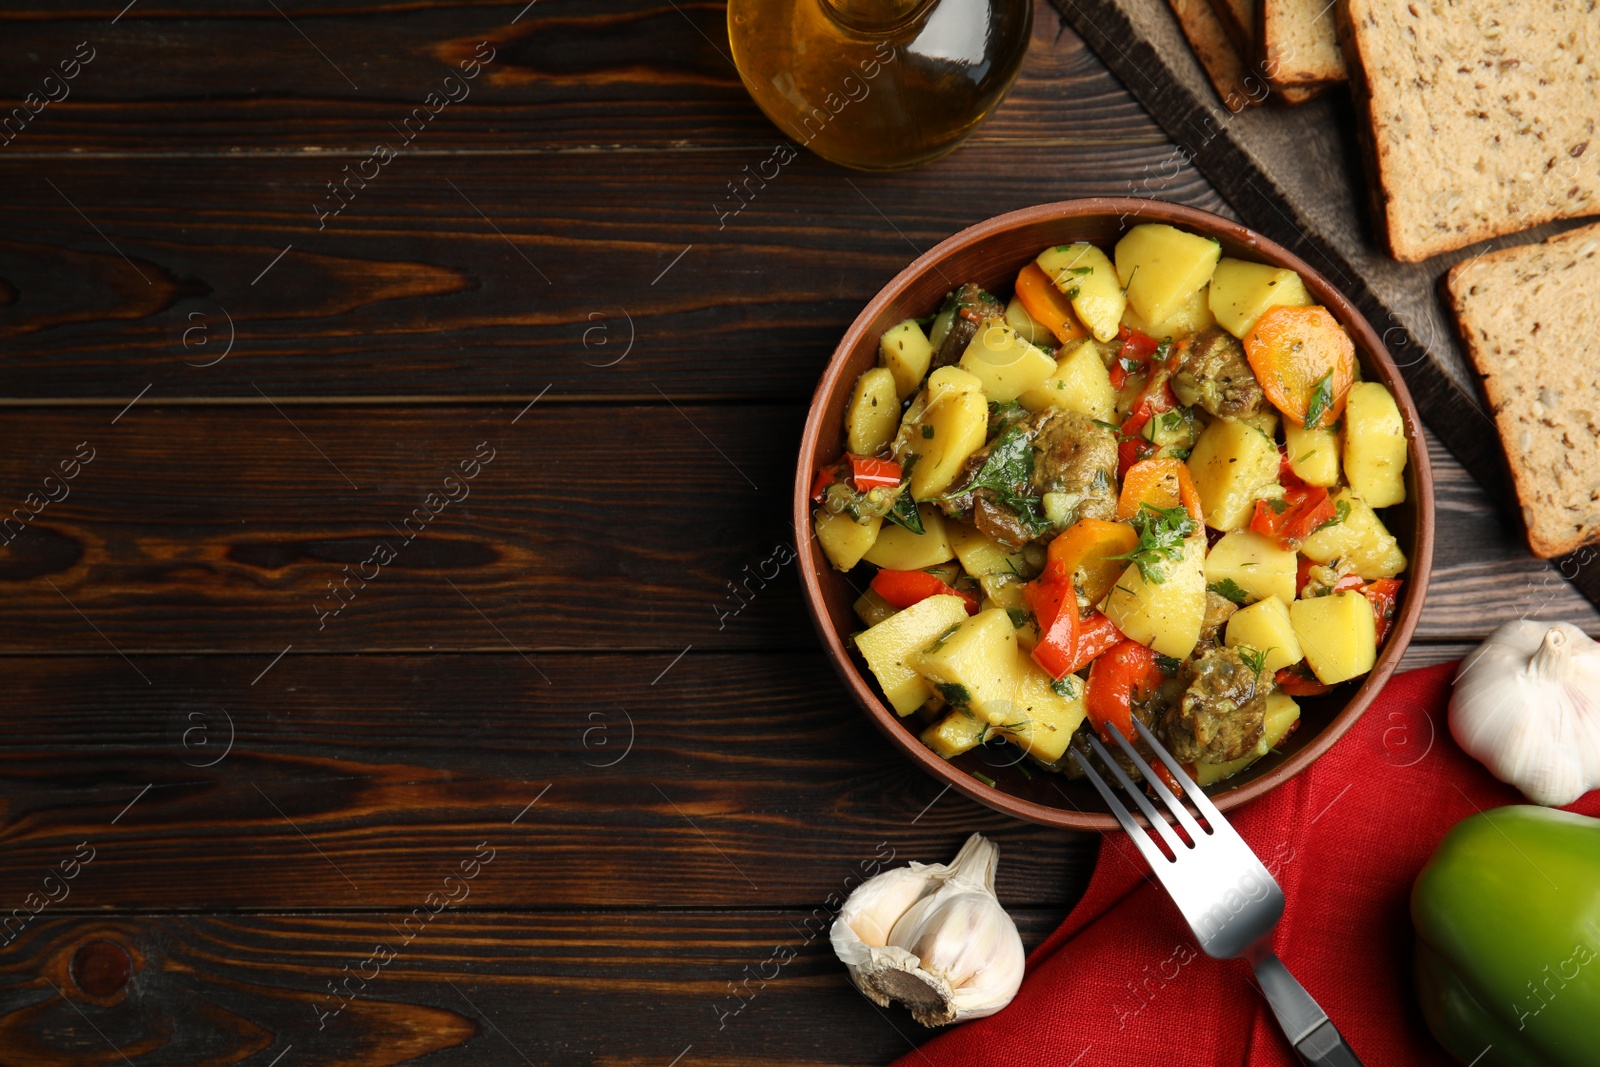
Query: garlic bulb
[1527, 706]
[933, 937]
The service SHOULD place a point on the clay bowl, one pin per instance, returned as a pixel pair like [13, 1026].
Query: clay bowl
[990, 254]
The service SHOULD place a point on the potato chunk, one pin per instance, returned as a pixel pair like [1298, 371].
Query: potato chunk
[898, 549]
[1279, 718]
[952, 426]
[889, 646]
[1255, 564]
[905, 352]
[958, 732]
[1041, 720]
[1313, 454]
[873, 412]
[1086, 276]
[1337, 633]
[1028, 328]
[1192, 316]
[1233, 465]
[1374, 445]
[1165, 615]
[1361, 540]
[844, 541]
[1265, 627]
[1242, 291]
[1080, 383]
[1007, 365]
[976, 666]
[1162, 267]
[979, 555]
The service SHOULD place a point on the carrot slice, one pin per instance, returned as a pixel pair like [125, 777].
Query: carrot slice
[1161, 483]
[1084, 554]
[1048, 304]
[1304, 361]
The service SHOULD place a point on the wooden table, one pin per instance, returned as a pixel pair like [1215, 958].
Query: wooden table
[377, 762]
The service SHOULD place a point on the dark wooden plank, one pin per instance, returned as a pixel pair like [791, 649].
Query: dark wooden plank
[592, 527]
[614, 988]
[412, 293]
[354, 781]
[570, 75]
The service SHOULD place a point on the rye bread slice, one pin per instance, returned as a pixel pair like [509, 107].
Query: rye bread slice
[1478, 120]
[1526, 315]
[1300, 43]
[1209, 40]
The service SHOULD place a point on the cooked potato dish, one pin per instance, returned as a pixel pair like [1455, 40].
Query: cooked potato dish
[1146, 485]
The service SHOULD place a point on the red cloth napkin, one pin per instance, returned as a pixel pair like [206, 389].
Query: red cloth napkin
[1123, 984]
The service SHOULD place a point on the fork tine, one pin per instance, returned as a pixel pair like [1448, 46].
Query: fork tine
[1159, 824]
[1147, 847]
[1174, 805]
[1192, 791]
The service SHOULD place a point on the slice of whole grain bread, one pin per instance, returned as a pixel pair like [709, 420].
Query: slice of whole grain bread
[1300, 43]
[1479, 119]
[1527, 317]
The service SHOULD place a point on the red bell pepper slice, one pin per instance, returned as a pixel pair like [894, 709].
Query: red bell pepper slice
[1305, 507]
[901, 589]
[826, 476]
[869, 472]
[1382, 593]
[1298, 681]
[1055, 607]
[1129, 670]
[1136, 347]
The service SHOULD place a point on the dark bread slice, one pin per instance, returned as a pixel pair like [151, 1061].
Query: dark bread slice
[1209, 40]
[1477, 120]
[1526, 315]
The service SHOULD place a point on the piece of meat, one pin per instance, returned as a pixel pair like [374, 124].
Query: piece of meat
[973, 305]
[1215, 375]
[1221, 714]
[1078, 456]
[1219, 609]
[1072, 454]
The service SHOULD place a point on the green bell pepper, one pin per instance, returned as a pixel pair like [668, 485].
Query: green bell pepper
[1508, 939]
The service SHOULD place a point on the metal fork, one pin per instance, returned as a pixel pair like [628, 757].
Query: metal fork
[1230, 901]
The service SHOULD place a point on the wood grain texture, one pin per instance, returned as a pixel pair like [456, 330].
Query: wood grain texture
[360, 781]
[449, 276]
[470, 987]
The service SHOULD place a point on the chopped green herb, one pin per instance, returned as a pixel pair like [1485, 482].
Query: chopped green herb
[905, 514]
[1113, 427]
[1275, 752]
[1132, 366]
[984, 778]
[1060, 384]
[1168, 664]
[1081, 271]
[953, 693]
[1023, 767]
[1321, 400]
[1066, 686]
[1179, 453]
[1019, 617]
[1171, 420]
[927, 432]
[1256, 659]
[1125, 589]
[1230, 589]
[1007, 473]
[1277, 504]
[1130, 281]
[1306, 456]
[1161, 537]
[1342, 512]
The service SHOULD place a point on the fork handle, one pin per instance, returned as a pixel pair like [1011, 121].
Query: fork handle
[1303, 1021]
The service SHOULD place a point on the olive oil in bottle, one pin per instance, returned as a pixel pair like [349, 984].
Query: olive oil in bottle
[879, 84]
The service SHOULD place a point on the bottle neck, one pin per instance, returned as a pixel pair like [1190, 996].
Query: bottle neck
[874, 16]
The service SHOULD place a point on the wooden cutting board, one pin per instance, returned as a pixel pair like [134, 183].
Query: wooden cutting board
[1295, 174]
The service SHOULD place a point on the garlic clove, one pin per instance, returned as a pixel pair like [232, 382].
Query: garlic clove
[933, 937]
[1526, 705]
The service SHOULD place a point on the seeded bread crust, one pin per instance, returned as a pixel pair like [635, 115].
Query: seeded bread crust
[1478, 119]
[1300, 43]
[1526, 315]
